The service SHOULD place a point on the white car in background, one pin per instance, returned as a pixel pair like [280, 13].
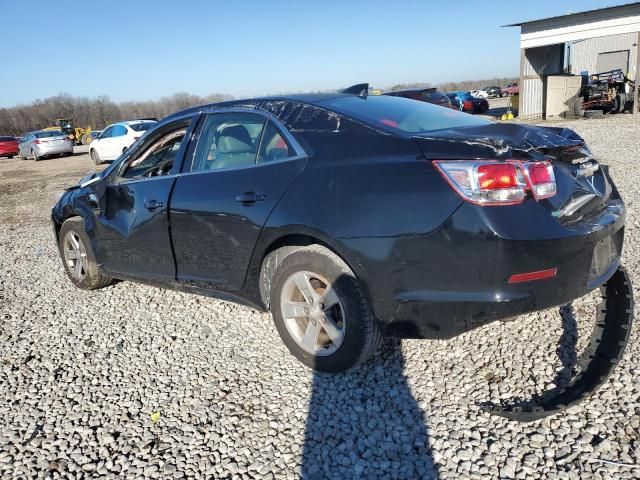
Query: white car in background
[116, 138]
[479, 93]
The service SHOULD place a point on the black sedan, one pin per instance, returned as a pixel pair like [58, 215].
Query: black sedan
[351, 217]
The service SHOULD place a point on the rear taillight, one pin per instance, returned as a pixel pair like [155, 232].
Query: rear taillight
[541, 179]
[468, 104]
[489, 182]
[37, 141]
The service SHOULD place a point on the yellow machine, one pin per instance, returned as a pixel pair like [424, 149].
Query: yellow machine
[79, 135]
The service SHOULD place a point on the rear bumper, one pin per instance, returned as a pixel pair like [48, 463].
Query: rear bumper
[457, 278]
[8, 151]
[54, 149]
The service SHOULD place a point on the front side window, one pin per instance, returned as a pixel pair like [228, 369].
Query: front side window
[119, 131]
[156, 157]
[228, 140]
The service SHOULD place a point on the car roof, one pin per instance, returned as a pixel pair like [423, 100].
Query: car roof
[133, 122]
[308, 98]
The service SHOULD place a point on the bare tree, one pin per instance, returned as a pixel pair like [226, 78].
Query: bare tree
[93, 112]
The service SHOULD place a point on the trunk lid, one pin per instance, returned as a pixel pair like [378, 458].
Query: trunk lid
[584, 187]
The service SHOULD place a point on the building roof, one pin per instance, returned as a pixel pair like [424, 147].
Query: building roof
[567, 15]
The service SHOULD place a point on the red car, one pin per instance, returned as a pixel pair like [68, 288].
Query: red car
[8, 147]
[509, 90]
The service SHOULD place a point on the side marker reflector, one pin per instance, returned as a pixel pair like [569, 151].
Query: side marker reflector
[530, 276]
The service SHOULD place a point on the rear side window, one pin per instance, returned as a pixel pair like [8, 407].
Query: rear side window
[228, 140]
[403, 114]
[141, 127]
[273, 145]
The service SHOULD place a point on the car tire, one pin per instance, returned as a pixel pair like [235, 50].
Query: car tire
[328, 338]
[593, 114]
[22, 157]
[10, 156]
[78, 258]
[35, 156]
[95, 157]
[619, 103]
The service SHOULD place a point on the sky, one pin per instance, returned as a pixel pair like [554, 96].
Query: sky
[144, 49]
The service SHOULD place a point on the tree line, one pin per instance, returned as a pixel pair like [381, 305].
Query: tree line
[464, 85]
[93, 112]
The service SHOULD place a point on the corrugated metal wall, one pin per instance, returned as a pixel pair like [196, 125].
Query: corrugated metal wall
[584, 53]
[537, 63]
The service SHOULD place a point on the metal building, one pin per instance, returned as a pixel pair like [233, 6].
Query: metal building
[592, 41]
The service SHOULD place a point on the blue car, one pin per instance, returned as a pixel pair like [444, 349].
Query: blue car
[465, 102]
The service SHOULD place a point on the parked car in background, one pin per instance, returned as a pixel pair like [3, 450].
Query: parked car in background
[479, 93]
[95, 134]
[429, 95]
[8, 147]
[465, 102]
[493, 91]
[116, 138]
[40, 144]
[511, 89]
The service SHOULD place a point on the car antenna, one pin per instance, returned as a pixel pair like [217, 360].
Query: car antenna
[360, 89]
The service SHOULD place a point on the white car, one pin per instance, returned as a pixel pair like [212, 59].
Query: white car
[116, 138]
[479, 94]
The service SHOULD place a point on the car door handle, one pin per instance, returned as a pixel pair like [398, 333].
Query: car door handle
[250, 197]
[152, 204]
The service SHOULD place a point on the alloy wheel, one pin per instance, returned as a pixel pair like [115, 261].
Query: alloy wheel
[313, 313]
[75, 255]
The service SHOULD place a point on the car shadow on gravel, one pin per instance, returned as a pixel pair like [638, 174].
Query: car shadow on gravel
[567, 347]
[366, 424]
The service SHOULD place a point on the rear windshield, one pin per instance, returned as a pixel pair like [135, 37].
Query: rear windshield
[141, 127]
[403, 114]
[51, 133]
[6, 139]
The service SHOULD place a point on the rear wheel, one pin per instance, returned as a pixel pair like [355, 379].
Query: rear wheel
[78, 257]
[95, 157]
[11, 156]
[320, 311]
[35, 156]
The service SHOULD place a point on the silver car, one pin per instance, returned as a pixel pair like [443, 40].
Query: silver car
[44, 143]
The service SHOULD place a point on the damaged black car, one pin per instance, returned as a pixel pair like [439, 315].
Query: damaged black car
[351, 217]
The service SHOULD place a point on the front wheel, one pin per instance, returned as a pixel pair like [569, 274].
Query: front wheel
[321, 312]
[78, 258]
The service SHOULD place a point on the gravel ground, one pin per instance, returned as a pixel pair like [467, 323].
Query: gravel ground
[132, 381]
